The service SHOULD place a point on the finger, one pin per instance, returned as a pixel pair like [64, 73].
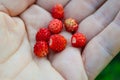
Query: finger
[16, 7]
[79, 9]
[68, 62]
[9, 31]
[51, 3]
[94, 24]
[36, 17]
[101, 50]
[67, 36]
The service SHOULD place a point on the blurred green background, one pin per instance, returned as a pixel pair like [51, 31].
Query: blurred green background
[112, 71]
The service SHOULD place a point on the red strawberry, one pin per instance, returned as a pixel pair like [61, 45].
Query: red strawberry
[58, 11]
[78, 40]
[55, 26]
[43, 34]
[57, 43]
[71, 25]
[41, 49]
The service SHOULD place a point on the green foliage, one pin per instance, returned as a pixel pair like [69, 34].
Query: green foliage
[112, 71]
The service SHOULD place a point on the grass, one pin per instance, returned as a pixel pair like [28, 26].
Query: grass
[112, 71]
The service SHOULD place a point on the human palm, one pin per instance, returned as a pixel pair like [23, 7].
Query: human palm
[17, 37]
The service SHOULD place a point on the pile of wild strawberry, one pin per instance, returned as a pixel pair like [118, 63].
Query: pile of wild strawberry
[50, 38]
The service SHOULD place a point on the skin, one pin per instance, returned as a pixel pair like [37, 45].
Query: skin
[21, 20]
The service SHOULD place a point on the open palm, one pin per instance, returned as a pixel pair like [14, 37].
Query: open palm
[21, 19]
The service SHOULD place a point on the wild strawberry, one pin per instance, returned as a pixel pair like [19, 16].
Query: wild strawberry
[78, 40]
[55, 26]
[71, 25]
[57, 11]
[41, 49]
[43, 34]
[57, 43]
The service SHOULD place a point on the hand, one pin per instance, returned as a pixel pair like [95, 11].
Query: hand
[17, 36]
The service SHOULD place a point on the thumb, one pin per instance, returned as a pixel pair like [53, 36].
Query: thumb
[10, 28]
